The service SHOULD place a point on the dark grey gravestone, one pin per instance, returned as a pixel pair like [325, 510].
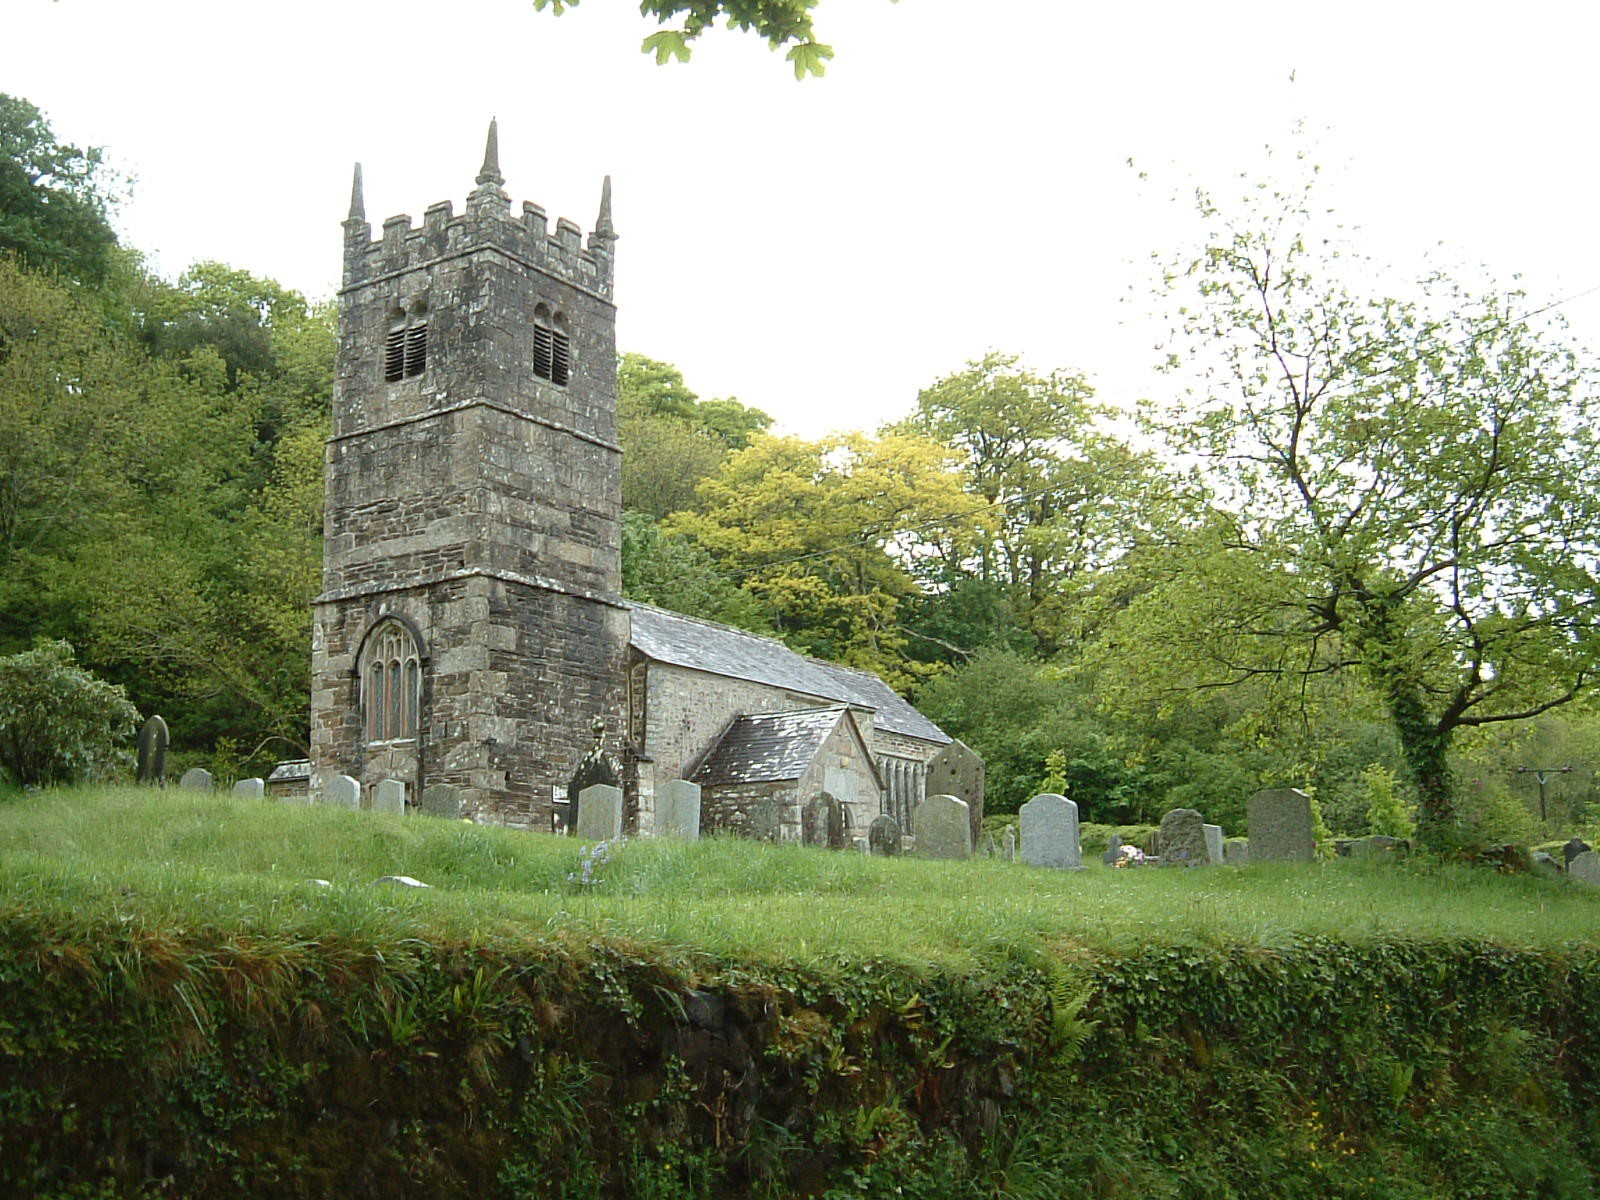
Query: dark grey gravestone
[1183, 839]
[153, 742]
[441, 800]
[254, 788]
[1585, 868]
[196, 779]
[883, 836]
[958, 771]
[1574, 848]
[599, 813]
[825, 822]
[1214, 841]
[1050, 833]
[1236, 851]
[597, 767]
[942, 828]
[1280, 826]
[678, 811]
[1113, 852]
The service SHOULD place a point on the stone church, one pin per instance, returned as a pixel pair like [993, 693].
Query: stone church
[471, 629]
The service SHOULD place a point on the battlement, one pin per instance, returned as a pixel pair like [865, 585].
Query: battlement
[487, 223]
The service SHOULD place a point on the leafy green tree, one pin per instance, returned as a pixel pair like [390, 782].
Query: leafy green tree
[1404, 487]
[672, 572]
[1387, 811]
[58, 723]
[54, 198]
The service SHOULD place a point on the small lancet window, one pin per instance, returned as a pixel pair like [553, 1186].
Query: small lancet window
[552, 347]
[405, 349]
[391, 684]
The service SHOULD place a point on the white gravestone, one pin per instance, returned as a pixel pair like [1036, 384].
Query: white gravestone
[256, 788]
[1214, 842]
[389, 796]
[196, 779]
[599, 813]
[343, 792]
[677, 810]
[943, 828]
[1050, 833]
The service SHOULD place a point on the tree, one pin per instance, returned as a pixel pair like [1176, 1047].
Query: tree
[1407, 487]
[54, 198]
[672, 572]
[58, 723]
[781, 22]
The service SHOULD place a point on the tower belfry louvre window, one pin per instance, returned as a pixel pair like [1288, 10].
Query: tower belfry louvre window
[552, 346]
[405, 348]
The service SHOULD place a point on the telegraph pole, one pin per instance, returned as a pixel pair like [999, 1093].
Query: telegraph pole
[1542, 774]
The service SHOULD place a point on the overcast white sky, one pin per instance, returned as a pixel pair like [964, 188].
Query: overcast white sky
[957, 182]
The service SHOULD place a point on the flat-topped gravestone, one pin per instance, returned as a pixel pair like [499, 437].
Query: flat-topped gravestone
[1214, 842]
[342, 792]
[598, 766]
[1183, 839]
[1236, 851]
[1585, 868]
[958, 771]
[599, 813]
[249, 787]
[196, 779]
[1050, 833]
[942, 827]
[389, 796]
[1113, 852]
[153, 742]
[883, 836]
[441, 800]
[1280, 826]
[678, 810]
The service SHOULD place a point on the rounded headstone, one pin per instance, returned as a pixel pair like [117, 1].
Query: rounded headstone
[1050, 833]
[942, 828]
[255, 788]
[1183, 839]
[196, 779]
[883, 836]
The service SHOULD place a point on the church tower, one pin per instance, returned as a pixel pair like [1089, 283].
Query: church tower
[470, 629]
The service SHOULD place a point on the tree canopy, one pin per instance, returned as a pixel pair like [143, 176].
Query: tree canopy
[54, 198]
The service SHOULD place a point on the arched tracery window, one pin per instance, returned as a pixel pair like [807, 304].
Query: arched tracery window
[391, 684]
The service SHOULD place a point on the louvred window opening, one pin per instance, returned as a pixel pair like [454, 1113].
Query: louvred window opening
[394, 355]
[416, 349]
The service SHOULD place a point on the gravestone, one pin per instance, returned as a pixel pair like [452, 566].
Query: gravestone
[1214, 840]
[153, 742]
[1183, 839]
[441, 800]
[389, 796]
[943, 828]
[256, 788]
[405, 881]
[342, 792]
[1585, 868]
[599, 813]
[883, 836]
[678, 811]
[196, 779]
[958, 771]
[1574, 848]
[1280, 826]
[987, 847]
[1236, 851]
[1009, 842]
[1113, 850]
[596, 768]
[825, 822]
[1050, 833]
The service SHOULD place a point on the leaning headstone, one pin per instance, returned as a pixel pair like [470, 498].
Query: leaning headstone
[1236, 851]
[1574, 848]
[942, 828]
[389, 796]
[1009, 842]
[1113, 852]
[153, 742]
[595, 767]
[599, 813]
[342, 792]
[1214, 842]
[1585, 868]
[958, 771]
[256, 788]
[441, 800]
[1280, 826]
[196, 779]
[883, 836]
[1050, 833]
[678, 810]
[1183, 839]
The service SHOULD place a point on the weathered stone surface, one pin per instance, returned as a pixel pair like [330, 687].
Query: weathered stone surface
[342, 791]
[1236, 851]
[249, 787]
[1585, 868]
[942, 828]
[598, 766]
[883, 836]
[1009, 843]
[389, 796]
[1183, 839]
[1113, 852]
[1280, 826]
[1050, 832]
[404, 881]
[196, 779]
[441, 800]
[1574, 848]
[958, 771]
[678, 810]
[825, 822]
[986, 848]
[599, 813]
[153, 742]
[1214, 841]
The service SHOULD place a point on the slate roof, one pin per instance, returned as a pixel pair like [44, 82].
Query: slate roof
[670, 637]
[769, 747]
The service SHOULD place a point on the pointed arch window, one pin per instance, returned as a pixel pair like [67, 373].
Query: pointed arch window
[405, 346]
[552, 346]
[391, 684]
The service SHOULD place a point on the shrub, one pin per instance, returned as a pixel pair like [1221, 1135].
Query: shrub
[1387, 811]
[58, 723]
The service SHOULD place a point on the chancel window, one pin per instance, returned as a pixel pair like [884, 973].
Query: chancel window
[552, 346]
[904, 780]
[405, 347]
[391, 684]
